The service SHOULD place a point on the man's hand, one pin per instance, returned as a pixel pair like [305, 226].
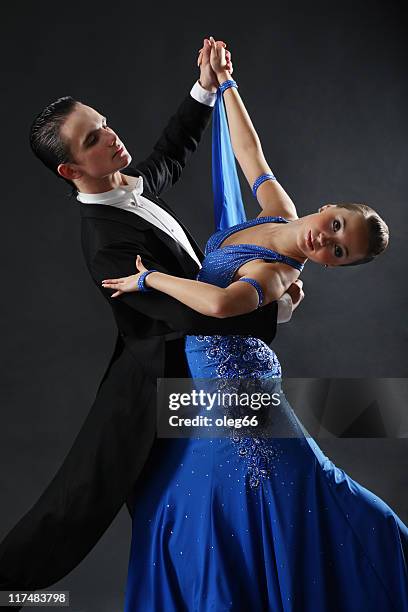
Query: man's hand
[208, 78]
[296, 293]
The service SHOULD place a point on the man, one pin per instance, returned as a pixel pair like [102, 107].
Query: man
[122, 216]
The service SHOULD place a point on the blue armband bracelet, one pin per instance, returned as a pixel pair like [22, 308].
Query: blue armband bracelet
[257, 286]
[227, 84]
[261, 179]
[141, 281]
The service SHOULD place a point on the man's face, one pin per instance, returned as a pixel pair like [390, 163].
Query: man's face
[96, 149]
[335, 236]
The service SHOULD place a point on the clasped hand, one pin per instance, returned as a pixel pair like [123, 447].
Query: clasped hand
[213, 57]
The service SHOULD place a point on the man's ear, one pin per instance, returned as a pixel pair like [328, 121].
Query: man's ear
[322, 208]
[69, 171]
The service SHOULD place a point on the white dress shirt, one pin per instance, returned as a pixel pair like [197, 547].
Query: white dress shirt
[129, 197]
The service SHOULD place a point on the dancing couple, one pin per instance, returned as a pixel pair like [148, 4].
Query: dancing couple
[232, 523]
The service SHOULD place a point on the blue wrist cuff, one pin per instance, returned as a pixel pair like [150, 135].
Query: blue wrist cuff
[257, 286]
[261, 179]
[141, 281]
[227, 84]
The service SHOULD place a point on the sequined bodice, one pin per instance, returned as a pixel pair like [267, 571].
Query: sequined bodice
[233, 356]
[221, 263]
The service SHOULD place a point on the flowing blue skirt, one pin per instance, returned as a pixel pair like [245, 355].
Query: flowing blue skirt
[259, 524]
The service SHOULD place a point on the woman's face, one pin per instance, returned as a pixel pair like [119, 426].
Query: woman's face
[335, 236]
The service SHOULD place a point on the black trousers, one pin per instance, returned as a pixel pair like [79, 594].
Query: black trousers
[94, 481]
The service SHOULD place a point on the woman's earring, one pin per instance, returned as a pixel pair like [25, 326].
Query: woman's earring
[325, 266]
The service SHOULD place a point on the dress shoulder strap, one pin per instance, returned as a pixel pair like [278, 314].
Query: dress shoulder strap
[218, 238]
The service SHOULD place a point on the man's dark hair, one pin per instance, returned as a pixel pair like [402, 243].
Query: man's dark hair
[45, 137]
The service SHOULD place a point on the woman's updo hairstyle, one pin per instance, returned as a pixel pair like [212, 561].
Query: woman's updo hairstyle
[378, 232]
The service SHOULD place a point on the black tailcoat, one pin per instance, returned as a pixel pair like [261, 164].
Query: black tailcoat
[98, 474]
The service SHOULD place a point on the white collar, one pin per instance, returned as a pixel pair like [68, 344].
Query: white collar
[114, 196]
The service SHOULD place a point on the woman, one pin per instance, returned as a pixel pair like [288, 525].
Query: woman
[261, 523]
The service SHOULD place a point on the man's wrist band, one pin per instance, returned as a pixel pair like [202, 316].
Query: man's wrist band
[261, 179]
[141, 281]
[227, 84]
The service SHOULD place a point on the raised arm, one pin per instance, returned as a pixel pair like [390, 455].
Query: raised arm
[179, 140]
[271, 196]
[183, 133]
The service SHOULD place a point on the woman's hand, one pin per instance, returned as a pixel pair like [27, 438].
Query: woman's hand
[218, 58]
[127, 284]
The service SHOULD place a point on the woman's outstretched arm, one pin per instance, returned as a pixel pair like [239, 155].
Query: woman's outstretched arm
[236, 299]
[271, 196]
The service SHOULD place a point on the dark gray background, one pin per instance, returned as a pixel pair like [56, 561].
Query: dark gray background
[326, 87]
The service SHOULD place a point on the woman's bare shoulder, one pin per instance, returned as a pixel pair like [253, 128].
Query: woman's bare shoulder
[274, 201]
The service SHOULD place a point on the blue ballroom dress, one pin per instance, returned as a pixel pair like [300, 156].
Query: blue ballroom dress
[257, 524]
